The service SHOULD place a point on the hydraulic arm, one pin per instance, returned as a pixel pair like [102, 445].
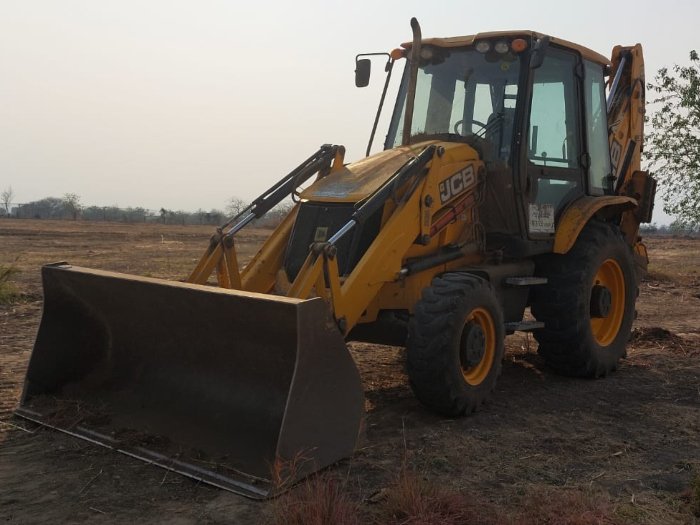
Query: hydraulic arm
[625, 107]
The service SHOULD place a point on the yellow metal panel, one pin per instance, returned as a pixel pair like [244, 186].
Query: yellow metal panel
[405, 293]
[641, 250]
[207, 263]
[455, 157]
[579, 213]
[230, 260]
[380, 264]
[356, 181]
[260, 273]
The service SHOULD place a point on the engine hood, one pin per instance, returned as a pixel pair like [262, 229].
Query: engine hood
[356, 181]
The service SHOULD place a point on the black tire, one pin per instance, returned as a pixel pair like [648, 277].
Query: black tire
[581, 338]
[446, 371]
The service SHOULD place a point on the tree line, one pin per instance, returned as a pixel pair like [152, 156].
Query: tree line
[69, 207]
[677, 227]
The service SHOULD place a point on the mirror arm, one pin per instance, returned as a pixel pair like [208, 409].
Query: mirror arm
[389, 67]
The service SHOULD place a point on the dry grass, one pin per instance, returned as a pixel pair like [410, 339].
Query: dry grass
[694, 495]
[655, 275]
[414, 499]
[319, 500]
[672, 259]
[8, 290]
[565, 506]
[655, 335]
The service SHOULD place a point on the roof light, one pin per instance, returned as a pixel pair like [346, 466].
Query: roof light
[397, 53]
[501, 47]
[519, 45]
[483, 46]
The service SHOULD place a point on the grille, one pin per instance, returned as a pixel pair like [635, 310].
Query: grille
[318, 222]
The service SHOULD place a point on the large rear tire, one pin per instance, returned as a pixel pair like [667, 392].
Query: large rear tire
[588, 303]
[455, 344]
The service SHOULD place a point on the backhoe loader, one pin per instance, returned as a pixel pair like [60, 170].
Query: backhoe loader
[510, 179]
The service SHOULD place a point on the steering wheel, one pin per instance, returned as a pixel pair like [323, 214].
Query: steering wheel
[472, 121]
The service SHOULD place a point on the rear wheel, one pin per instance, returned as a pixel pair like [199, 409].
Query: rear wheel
[588, 303]
[455, 344]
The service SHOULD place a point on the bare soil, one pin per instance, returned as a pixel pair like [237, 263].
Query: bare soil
[632, 439]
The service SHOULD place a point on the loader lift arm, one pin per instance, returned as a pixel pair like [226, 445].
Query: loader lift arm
[320, 271]
[221, 253]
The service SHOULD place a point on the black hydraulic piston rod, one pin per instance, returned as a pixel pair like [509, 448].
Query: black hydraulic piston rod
[378, 198]
[320, 160]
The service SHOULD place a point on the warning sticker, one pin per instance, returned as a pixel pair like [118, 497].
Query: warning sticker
[321, 234]
[541, 218]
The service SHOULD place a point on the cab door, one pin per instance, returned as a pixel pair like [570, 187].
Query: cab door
[555, 161]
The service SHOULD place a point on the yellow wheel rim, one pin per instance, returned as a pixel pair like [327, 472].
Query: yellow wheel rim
[605, 329]
[475, 375]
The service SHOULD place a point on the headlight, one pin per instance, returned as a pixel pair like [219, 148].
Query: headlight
[483, 47]
[501, 47]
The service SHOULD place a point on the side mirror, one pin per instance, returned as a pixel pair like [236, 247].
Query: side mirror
[538, 52]
[363, 67]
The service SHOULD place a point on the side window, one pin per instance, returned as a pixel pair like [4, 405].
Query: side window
[483, 108]
[554, 125]
[420, 110]
[596, 128]
[458, 107]
[554, 141]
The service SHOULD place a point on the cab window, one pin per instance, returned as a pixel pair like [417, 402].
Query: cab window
[596, 128]
[554, 151]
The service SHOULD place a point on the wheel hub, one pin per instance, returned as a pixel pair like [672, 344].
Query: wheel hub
[601, 301]
[474, 345]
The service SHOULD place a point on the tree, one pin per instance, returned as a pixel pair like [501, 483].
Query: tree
[6, 197]
[235, 206]
[679, 227]
[47, 208]
[71, 203]
[648, 229]
[276, 215]
[674, 142]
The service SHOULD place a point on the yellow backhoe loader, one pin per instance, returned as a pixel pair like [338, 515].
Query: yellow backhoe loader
[510, 178]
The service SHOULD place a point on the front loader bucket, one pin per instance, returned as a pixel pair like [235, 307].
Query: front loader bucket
[245, 391]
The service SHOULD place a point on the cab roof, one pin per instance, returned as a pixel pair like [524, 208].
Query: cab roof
[459, 41]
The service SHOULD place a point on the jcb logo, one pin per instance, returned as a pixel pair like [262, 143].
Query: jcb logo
[456, 184]
[615, 152]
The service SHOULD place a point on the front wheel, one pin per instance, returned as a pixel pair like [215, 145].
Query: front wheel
[587, 305]
[455, 344]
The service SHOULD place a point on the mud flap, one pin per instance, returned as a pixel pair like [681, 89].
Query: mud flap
[248, 392]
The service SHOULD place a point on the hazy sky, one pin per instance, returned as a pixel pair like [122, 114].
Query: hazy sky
[183, 104]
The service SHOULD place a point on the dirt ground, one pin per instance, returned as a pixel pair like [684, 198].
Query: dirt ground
[632, 439]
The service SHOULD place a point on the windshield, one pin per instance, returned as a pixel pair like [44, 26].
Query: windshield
[463, 92]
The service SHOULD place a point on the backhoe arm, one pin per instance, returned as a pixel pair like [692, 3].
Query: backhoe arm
[625, 107]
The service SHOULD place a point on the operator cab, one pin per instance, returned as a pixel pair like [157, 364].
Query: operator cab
[462, 95]
[534, 109]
